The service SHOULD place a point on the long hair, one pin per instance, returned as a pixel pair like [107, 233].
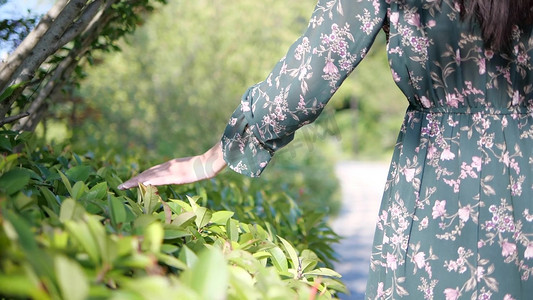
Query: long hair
[497, 19]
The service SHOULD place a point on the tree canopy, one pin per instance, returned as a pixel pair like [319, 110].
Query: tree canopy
[48, 61]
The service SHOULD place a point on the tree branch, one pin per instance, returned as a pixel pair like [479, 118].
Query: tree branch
[42, 50]
[25, 48]
[79, 26]
[13, 118]
[65, 68]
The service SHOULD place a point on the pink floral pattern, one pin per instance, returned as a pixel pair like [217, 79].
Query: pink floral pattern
[456, 218]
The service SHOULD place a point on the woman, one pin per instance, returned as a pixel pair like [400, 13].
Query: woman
[456, 219]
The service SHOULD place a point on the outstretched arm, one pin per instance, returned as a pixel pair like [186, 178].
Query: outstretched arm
[181, 170]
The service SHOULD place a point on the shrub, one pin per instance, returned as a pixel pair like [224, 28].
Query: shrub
[66, 232]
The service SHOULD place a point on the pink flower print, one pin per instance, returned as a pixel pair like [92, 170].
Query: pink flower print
[380, 292]
[522, 58]
[245, 106]
[516, 98]
[392, 261]
[464, 213]
[409, 174]
[452, 266]
[301, 103]
[431, 23]
[458, 56]
[395, 76]
[439, 209]
[425, 102]
[508, 248]
[432, 150]
[447, 154]
[451, 122]
[452, 294]
[504, 121]
[529, 251]
[394, 17]
[476, 163]
[516, 188]
[424, 223]
[330, 68]
[420, 259]
[514, 165]
[479, 273]
[508, 297]
[482, 66]
[414, 20]
[452, 100]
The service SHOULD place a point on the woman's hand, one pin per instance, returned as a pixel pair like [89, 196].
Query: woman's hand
[181, 170]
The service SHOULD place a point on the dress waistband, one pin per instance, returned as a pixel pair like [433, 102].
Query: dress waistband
[521, 110]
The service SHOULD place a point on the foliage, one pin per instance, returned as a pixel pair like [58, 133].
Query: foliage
[47, 65]
[66, 232]
[183, 73]
[369, 127]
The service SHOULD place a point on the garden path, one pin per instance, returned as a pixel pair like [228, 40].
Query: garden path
[362, 187]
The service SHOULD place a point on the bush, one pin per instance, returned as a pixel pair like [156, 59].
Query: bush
[66, 232]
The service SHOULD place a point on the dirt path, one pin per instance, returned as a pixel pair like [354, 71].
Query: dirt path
[362, 186]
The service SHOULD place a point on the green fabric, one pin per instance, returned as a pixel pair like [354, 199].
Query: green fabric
[456, 220]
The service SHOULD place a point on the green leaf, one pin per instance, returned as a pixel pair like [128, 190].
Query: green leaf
[19, 285]
[97, 192]
[70, 210]
[183, 219]
[22, 201]
[221, 217]
[5, 142]
[78, 173]
[78, 190]
[169, 249]
[292, 254]
[14, 180]
[193, 202]
[185, 206]
[153, 237]
[82, 234]
[118, 211]
[72, 281]
[323, 272]
[6, 161]
[188, 256]
[19, 232]
[209, 275]
[66, 182]
[203, 216]
[278, 259]
[151, 200]
[232, 230]
[171, 261]
[309, 260]
[10, 89]
[171, 234]
[51, 199]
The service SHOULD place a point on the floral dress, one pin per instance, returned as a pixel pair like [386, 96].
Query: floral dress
[456, 219]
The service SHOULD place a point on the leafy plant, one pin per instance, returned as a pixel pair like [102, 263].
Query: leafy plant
[66, 232]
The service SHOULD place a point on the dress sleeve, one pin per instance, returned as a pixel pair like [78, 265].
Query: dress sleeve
[337, 38]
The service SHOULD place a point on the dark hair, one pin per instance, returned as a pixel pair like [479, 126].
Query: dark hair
[497, 18]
